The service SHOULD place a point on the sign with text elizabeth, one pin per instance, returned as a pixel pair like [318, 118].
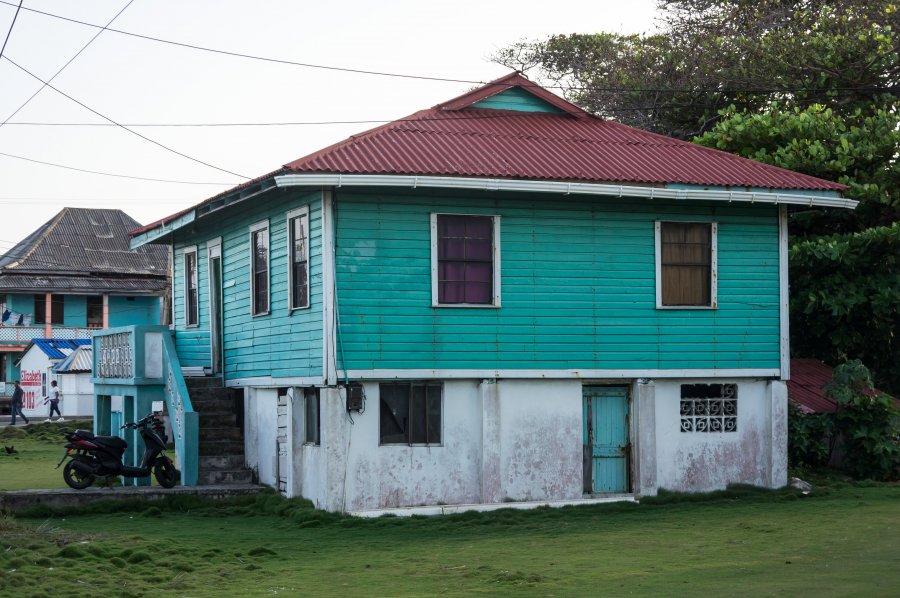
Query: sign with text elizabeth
[32, 383]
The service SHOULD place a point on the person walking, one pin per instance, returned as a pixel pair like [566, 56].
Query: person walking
[17, 403]
[54, 397]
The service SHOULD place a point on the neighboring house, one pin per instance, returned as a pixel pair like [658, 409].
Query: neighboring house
[40, 365]
[806, 388]
[74, 275]
[500, 298]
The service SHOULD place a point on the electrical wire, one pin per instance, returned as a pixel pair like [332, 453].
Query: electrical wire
[431, 78]
[63, 67]
[11, 25]
[104, 117]
[121, 176]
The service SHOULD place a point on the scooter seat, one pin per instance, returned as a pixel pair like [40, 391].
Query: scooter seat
[113, 442]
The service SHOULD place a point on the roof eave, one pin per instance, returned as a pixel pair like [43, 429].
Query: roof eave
[788, 197]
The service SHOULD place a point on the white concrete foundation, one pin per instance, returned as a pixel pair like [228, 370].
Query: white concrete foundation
[511, 442]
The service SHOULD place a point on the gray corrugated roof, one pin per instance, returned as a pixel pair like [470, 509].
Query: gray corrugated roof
[80, 243]
[80, 360]
[81, 285]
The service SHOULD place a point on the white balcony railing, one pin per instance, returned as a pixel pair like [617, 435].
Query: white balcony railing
[25, 334]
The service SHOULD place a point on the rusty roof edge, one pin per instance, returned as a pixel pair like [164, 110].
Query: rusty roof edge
[559, 187]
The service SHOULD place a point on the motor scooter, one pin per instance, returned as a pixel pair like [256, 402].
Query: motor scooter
[94, 456]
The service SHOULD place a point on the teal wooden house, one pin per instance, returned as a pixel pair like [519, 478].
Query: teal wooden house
[501, 298]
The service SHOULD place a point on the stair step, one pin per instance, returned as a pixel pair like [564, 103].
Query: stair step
[221, 447]
[217, 419]
[212, 462]
[206, 405]
[204, 382]
[219, 433]
[225, 476]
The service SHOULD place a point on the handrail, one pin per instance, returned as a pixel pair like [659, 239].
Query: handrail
[141, 361]
[185, 421]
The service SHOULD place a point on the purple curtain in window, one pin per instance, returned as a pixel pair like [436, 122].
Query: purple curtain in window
[465, 259]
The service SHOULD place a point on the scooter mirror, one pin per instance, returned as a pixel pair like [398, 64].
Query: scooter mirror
[158, 406]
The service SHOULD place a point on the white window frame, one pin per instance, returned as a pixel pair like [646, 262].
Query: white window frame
[254, 228]
[184, 253]
[713, 262]
[302, 212]
[495, 303]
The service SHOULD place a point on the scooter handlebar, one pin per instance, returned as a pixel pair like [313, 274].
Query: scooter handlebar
[141, 422]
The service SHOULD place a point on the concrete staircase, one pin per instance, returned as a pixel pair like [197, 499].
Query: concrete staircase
[221, 458]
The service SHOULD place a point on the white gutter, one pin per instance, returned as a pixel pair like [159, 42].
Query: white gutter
[477, 184]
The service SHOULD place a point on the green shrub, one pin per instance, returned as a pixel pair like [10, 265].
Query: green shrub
[867, 423]
[810, 438]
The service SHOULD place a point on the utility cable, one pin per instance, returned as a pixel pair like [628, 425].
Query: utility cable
[63, 67]
[133, 132]
[11, 25]
[430, 78]
[121, 176]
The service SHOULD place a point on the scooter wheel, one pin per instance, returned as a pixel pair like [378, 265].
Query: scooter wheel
[166, 474]
[76, 479]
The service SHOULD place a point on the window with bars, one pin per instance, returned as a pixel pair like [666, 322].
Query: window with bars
[191, 305]
[466, 259]
[686, 264]
[709, 407]
[298, 247]
[410, 413]
[259, 268]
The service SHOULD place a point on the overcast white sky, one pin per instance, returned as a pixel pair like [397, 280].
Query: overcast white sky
[137, 81]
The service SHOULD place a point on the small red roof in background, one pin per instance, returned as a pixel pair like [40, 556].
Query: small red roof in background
[806, 388]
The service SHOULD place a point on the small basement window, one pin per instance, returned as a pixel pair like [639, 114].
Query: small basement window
[709, 407]
[311, 416]
[410, 413]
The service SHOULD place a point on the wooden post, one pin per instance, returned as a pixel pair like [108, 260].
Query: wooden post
[105, 311]
[48, 315]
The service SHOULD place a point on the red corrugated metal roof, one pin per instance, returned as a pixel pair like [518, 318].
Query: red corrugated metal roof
[453, 140]
[806, 387]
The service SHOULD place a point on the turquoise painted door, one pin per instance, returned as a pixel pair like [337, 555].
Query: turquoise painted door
[606, 439]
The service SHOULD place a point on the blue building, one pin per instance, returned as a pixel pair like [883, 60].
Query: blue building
[501, 298]
[74, 275]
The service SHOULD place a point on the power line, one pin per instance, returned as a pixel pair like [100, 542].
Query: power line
[104, 117]
[63, 67]
[121, 176]
[444, 79]
[11, 25]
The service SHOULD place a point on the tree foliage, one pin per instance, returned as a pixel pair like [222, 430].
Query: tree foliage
[710, 54]
[867, 423]
[857, 148]
[845, 300]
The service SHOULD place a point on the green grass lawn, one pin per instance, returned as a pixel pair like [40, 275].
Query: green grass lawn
[39, 447]
[841, 541]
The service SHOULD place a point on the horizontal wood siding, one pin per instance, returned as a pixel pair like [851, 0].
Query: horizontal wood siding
[578, 287]
[517, 100]
[192, 342]
[282, 343]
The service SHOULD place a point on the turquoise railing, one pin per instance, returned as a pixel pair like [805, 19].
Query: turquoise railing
[140, 364]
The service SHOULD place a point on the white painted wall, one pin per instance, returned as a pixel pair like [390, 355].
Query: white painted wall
[704, 461]
[513, 440]
[541, 438]
[260, 432]
[389, 476]
[77, 389]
